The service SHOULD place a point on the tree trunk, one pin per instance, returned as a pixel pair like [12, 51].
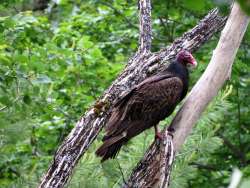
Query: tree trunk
[217, 72]
[141, 65]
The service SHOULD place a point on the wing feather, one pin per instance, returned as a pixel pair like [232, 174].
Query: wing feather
[121, 105]
[148, 102]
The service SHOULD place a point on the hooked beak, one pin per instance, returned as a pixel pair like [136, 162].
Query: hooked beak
[194, 64]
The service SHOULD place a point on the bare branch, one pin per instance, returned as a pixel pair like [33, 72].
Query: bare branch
[145, 26]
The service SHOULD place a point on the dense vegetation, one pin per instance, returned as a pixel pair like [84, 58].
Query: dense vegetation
[54, 63]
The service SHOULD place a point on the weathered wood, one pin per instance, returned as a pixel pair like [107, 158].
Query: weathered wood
[140, 66]
[217, 72]
[154, 169]
[145, 39]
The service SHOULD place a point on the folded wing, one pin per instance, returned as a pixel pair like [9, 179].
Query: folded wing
[143, 107]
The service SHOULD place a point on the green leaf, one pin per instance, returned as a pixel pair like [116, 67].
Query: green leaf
[42, 79]
[85, 43]
[96, 53]
[26, 99]
[245, 5]
[194, 5]
[5, 100]
[4, 59]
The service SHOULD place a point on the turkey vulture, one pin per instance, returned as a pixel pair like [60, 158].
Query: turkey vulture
[146, 105]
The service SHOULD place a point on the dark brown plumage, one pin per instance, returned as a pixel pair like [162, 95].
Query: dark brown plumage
[145, 105]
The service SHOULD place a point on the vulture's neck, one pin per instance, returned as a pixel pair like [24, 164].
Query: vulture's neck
[179, 70]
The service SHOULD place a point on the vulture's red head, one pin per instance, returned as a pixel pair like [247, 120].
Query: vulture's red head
[186, 58]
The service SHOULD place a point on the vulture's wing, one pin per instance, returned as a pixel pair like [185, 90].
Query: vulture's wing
[120, 105]
[146, 101]
[149, 80]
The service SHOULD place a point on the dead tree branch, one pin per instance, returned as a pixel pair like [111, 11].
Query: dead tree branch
[140, 66]
[145, 39]
[217, 72]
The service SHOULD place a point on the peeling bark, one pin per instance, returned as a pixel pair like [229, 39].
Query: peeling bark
[211, 81]
[140, 66]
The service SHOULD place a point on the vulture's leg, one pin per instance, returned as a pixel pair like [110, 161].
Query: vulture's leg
[157, 132]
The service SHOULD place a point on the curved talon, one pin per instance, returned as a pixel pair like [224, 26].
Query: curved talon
[159, 136]
[157, 133]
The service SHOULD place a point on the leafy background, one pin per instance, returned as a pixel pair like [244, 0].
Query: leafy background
[56, 62]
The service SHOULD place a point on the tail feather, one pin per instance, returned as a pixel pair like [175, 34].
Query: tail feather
[111, 147]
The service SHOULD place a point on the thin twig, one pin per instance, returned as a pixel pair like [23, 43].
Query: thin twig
[204, 166]
[235, 150]
[120, 169]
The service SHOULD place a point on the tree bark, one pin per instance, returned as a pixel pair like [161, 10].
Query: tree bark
[154, 168]
[145, 39]
[217, 72]
[140, 66]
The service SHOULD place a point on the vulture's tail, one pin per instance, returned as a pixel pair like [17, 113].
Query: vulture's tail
[110, 147]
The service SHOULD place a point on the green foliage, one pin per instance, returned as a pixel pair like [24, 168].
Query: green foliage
[195, 5]
[49, 76]
[55, 64]
[245, 5]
